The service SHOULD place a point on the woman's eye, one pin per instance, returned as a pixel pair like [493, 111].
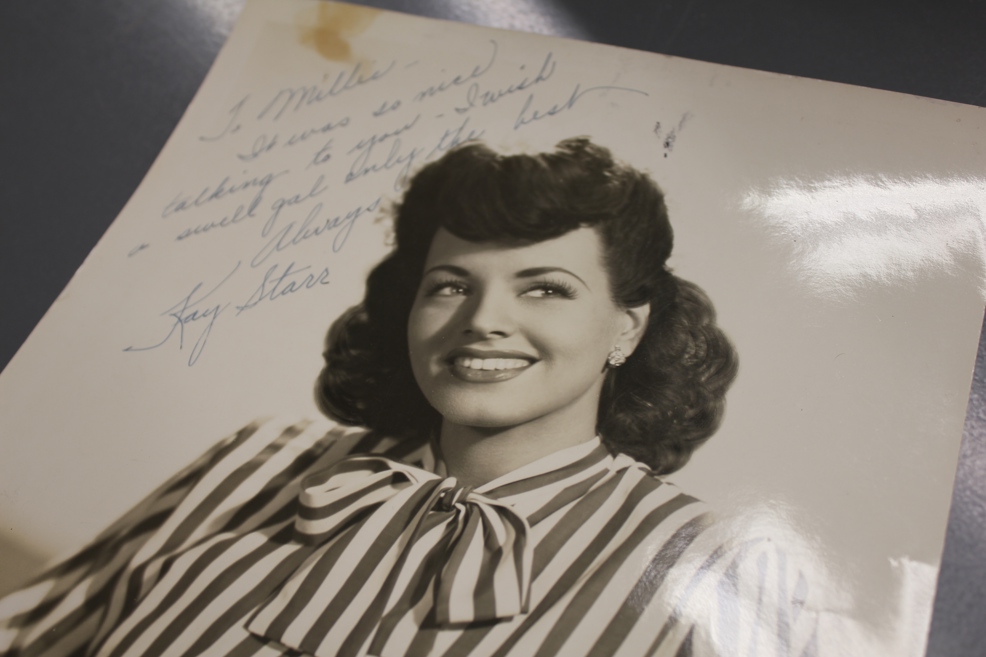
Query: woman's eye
[446, 289]
[550, 291]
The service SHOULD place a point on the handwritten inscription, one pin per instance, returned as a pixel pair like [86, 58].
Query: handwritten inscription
[397, 156]
[387, 106]
[241, 213]
[298, 167]
[361, 165]
[459, 79]
[318, 187]
[340, 226]
[477, 96]
[455, 136]
[232, 125]
[297, 98]
[266, 142]
[223, 189]
[530, 114]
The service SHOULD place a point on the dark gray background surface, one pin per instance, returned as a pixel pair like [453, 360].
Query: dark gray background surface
[89, 92]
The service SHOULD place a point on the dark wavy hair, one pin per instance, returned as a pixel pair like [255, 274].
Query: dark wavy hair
[659, 407]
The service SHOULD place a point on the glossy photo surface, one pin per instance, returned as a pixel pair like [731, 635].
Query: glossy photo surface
[838, 231]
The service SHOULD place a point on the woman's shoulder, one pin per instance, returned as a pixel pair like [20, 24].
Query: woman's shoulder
[264, 437]
[639, 480]
[245, 480]
[329, 440]
[713, 579]
[300, 444]
[743, 580]
[272, 456]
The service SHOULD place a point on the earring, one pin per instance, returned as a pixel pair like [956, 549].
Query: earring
[616, 357]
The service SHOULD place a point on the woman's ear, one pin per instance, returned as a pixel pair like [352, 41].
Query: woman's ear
[634, 326]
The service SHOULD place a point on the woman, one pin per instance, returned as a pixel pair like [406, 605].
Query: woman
[526, 366]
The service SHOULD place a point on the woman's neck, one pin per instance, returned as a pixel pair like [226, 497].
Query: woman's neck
[477, 455]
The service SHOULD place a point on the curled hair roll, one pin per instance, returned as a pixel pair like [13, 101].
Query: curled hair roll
[669, 397]
[367, 378]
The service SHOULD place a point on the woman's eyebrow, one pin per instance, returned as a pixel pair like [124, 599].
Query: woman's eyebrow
[541, 271]
[452, 269]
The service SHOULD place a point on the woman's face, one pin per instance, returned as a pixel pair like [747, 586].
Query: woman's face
[501, 336]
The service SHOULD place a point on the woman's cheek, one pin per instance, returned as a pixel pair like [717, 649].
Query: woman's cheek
[424, 319]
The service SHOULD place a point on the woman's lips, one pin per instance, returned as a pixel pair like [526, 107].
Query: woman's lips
[484, 369]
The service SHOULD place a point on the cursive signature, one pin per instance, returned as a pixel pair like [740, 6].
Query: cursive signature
[192, 311]
[278, 284]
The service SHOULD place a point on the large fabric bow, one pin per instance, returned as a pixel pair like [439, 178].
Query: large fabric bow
[387, 537]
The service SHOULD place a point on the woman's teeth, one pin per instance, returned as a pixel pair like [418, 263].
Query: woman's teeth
[491, 363]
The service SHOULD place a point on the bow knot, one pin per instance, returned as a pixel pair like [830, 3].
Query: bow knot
[449, 497]
[388, 539]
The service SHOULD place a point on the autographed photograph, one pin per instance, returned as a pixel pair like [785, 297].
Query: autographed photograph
[421, 338]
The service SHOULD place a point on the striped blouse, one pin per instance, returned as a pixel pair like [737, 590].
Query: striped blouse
[309, 539]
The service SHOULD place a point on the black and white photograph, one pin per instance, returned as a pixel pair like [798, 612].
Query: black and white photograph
[422, 338]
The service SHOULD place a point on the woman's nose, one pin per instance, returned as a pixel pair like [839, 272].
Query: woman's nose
[488, 314]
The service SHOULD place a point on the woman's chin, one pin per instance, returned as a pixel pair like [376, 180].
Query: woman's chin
[485, 421]
[485, 416]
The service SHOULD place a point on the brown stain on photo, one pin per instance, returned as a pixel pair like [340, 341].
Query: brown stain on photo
[328, 28]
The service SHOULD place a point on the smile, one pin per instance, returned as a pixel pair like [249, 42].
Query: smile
[490, 363]
[475, 367]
